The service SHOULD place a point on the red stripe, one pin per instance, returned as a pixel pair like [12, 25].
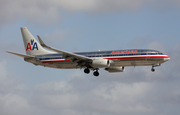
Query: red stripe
[141, 57]
[53, 61]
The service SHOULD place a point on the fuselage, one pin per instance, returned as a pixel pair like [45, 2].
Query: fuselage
[132, 57]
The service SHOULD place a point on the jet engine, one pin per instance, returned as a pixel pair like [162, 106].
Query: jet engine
[100, 63]
[115, 69]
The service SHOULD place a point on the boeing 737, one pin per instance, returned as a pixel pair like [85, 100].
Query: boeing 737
[111, 61]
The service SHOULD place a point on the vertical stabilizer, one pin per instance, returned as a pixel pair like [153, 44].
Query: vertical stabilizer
[32, 47]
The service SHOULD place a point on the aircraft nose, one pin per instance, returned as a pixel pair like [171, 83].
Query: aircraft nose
[166, 58]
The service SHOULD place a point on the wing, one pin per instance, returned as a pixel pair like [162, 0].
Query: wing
[20, 55]
[67, 55]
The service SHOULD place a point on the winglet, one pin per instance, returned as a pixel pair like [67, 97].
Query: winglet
[41, 42]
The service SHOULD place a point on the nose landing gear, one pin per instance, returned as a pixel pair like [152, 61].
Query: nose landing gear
[153, 70]
[156, 65]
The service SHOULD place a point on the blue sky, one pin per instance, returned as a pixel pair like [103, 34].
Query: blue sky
[90, 25]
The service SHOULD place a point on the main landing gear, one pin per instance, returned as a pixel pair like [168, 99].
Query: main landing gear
[87, 71]
[96, 73]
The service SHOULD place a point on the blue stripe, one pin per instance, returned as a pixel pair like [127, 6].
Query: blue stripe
[100, 56]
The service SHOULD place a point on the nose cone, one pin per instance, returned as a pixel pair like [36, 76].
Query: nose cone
[166, 58]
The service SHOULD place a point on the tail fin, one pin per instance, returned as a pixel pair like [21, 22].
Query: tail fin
[31, 45]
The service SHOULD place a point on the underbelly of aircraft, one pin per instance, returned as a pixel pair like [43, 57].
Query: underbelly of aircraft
[117, 63]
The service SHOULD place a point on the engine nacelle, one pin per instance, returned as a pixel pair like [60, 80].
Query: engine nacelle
[115, 69]
[100, 63]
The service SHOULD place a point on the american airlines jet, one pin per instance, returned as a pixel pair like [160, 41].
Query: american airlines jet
[112, 61]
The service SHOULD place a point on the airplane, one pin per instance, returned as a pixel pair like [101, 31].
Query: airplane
[111, 61]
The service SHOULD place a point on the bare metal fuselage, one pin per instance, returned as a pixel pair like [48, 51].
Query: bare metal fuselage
[129, 59]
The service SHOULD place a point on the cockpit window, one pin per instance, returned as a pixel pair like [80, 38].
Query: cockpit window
[159, 53]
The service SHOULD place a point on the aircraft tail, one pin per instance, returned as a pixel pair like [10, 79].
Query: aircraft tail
[32, 47]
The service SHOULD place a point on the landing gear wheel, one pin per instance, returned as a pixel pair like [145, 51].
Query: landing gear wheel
[96, 73]
[86, 71]
[152, 69]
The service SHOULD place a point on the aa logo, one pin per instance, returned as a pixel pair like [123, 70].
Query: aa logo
[33, 44]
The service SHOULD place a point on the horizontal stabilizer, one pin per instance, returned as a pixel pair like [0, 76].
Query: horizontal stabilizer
[20, 55]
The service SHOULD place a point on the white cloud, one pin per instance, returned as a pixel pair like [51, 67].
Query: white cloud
[10, 101]
[17, 104]
[119, 94]
[46, 12]
[105, 97]
[99, 5]
[38, 11]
